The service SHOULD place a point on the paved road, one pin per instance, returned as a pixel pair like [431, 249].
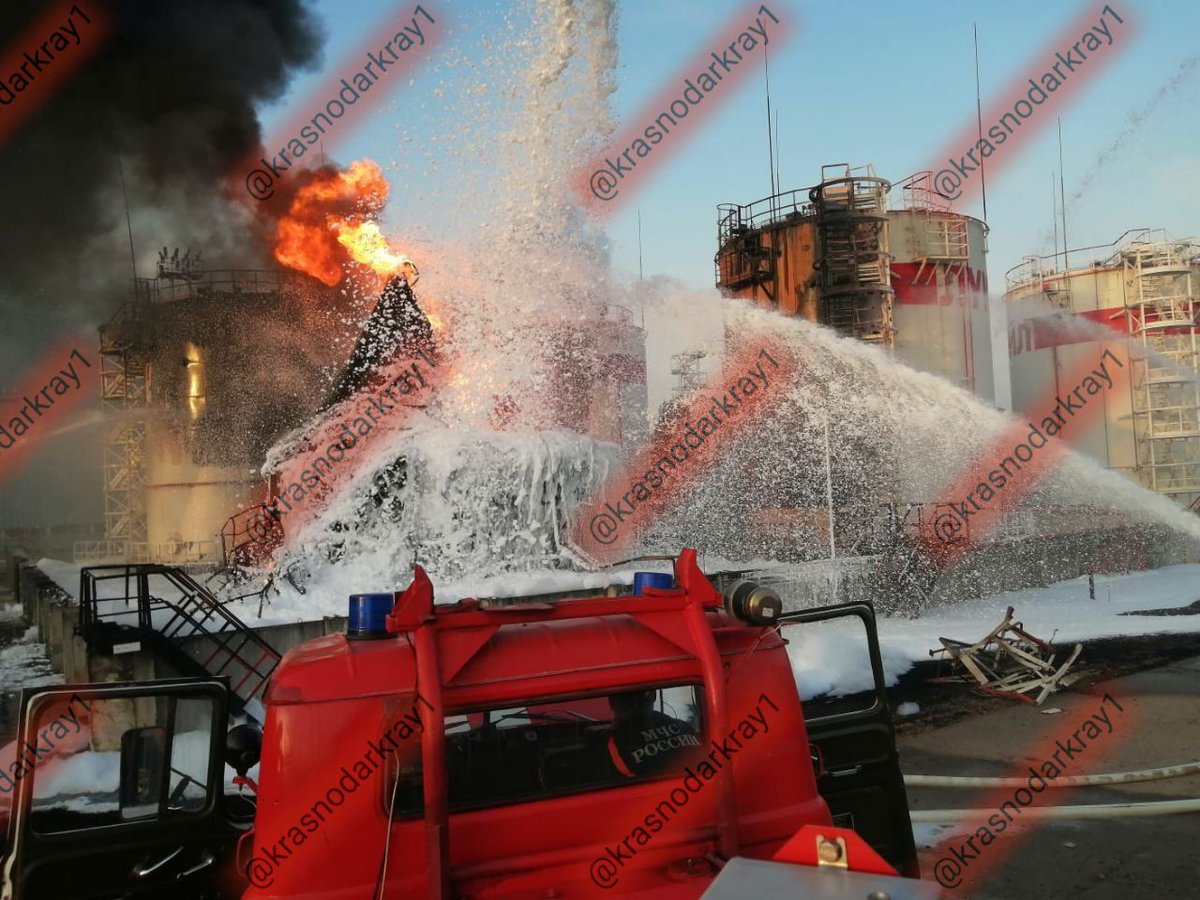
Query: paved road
[1158, 725]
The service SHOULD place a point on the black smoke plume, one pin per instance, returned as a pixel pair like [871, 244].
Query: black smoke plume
[172, 95]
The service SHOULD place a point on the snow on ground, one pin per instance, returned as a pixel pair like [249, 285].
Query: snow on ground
[25, 664]
[830, 658]
[1061, 613]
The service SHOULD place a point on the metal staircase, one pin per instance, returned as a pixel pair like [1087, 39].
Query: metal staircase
[1162, 308]
[124, 608]
[854, 264]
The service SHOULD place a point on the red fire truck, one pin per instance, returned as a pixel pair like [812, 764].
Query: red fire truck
[649, 745]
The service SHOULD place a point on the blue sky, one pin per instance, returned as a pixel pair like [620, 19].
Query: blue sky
[873, 82]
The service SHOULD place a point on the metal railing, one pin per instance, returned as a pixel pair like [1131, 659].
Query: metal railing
[178, 553]
[1136, 240]
[734, 219]
[134, 610]
[216, 282]
[917, 192]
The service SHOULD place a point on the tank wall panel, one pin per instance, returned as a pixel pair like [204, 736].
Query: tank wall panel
[794, 293]
[1052, 350]
[186, 501]
[943, 323]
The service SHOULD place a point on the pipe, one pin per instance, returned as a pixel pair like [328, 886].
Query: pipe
[954, 781]
[1091, 811]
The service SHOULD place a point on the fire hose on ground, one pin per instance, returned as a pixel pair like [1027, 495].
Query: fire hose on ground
[970, 781]
[1089, 811]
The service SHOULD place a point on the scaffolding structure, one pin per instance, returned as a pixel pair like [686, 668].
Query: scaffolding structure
[691, 369]
[1161, 306]
[854, 264]
[689, 374]
[124, 398]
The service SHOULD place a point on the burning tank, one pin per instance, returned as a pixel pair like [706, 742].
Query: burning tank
[390, 470]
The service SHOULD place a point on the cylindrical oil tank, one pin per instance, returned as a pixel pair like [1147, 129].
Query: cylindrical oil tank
[1128, 312]
[942, 316]
[770, 254]
[224, 381]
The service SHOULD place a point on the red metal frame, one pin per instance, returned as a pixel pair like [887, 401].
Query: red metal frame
[414, 613]
[474, 655]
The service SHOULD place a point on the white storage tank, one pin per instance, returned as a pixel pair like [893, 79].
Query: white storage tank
[1136, 300]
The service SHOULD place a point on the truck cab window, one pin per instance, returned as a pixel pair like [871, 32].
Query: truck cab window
[118, 760]
[77, 776]
[541, 748]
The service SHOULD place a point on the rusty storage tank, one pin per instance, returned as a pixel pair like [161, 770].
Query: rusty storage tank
[911, 278]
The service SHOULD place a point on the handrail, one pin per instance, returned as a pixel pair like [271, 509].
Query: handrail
[1141, 238]
[236, 282]
[764, 211]
[194, 616]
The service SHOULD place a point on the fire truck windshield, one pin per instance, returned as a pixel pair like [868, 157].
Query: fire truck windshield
[557, 746]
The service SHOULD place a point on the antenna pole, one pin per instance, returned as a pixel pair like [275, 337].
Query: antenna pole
[128, 224]
[1054, 205]
[639, 218]
[770, 145]
[979, 121]
[778, 158]
[1062, 195]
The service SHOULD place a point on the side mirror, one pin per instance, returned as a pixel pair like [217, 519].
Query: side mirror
[243, 748]
[142, 752]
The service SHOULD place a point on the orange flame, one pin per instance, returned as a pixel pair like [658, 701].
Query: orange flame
[367, 245]
[327, 225]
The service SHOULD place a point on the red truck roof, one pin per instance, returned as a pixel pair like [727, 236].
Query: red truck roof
[336, 707]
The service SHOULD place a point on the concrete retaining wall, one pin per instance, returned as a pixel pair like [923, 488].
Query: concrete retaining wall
[51, 609]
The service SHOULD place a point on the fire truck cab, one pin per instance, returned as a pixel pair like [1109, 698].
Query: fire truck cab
[631, 745]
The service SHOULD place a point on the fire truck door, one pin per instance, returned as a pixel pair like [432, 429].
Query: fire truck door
[853, 739]
[117, 792]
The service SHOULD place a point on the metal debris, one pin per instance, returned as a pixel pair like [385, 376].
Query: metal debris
[1008, 662]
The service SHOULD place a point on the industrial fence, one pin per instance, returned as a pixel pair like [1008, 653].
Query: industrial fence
[993, 567]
